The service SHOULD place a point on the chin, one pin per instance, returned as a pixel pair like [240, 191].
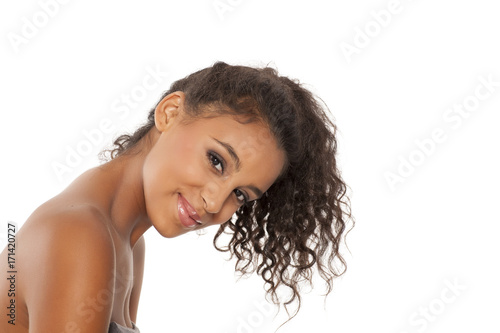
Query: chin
[167, 231]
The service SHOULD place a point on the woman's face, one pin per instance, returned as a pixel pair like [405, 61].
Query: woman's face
[206, 169]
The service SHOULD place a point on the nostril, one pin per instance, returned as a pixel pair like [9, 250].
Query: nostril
[211, 207]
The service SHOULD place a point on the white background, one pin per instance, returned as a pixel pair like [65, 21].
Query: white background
[440, 224]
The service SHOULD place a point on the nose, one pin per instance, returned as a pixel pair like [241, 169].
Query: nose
[214, 195]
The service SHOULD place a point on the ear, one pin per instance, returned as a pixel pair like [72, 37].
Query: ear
[168, 110]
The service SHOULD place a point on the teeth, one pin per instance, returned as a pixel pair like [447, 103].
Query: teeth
[192, 218]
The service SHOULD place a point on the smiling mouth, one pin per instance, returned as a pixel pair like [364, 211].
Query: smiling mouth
[187, 214]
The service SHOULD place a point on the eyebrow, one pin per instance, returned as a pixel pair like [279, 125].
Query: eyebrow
[237, 162]
[256, 191]
[231, 152]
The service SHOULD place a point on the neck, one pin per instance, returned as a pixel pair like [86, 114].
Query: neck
[116, 187]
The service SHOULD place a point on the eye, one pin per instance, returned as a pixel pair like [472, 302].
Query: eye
[241, 196]
[216, 161]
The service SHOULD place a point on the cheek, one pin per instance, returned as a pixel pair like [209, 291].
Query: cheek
[187, 166]
[167, 168]
[226, 212]
[186, 158]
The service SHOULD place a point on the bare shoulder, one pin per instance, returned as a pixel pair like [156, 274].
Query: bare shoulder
[68, 257]
[76, 234]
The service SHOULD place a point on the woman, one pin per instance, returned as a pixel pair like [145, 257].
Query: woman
[226, 140]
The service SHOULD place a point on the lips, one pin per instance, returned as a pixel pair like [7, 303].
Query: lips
[187, 214]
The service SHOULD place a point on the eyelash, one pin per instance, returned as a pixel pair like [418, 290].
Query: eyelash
[214, 156]
[216, 159]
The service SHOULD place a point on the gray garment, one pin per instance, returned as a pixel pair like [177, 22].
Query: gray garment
[115, 328]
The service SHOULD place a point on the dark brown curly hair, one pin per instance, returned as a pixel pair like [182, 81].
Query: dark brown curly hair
[299, 222]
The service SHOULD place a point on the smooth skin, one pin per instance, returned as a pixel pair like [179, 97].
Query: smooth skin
[80, 255]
